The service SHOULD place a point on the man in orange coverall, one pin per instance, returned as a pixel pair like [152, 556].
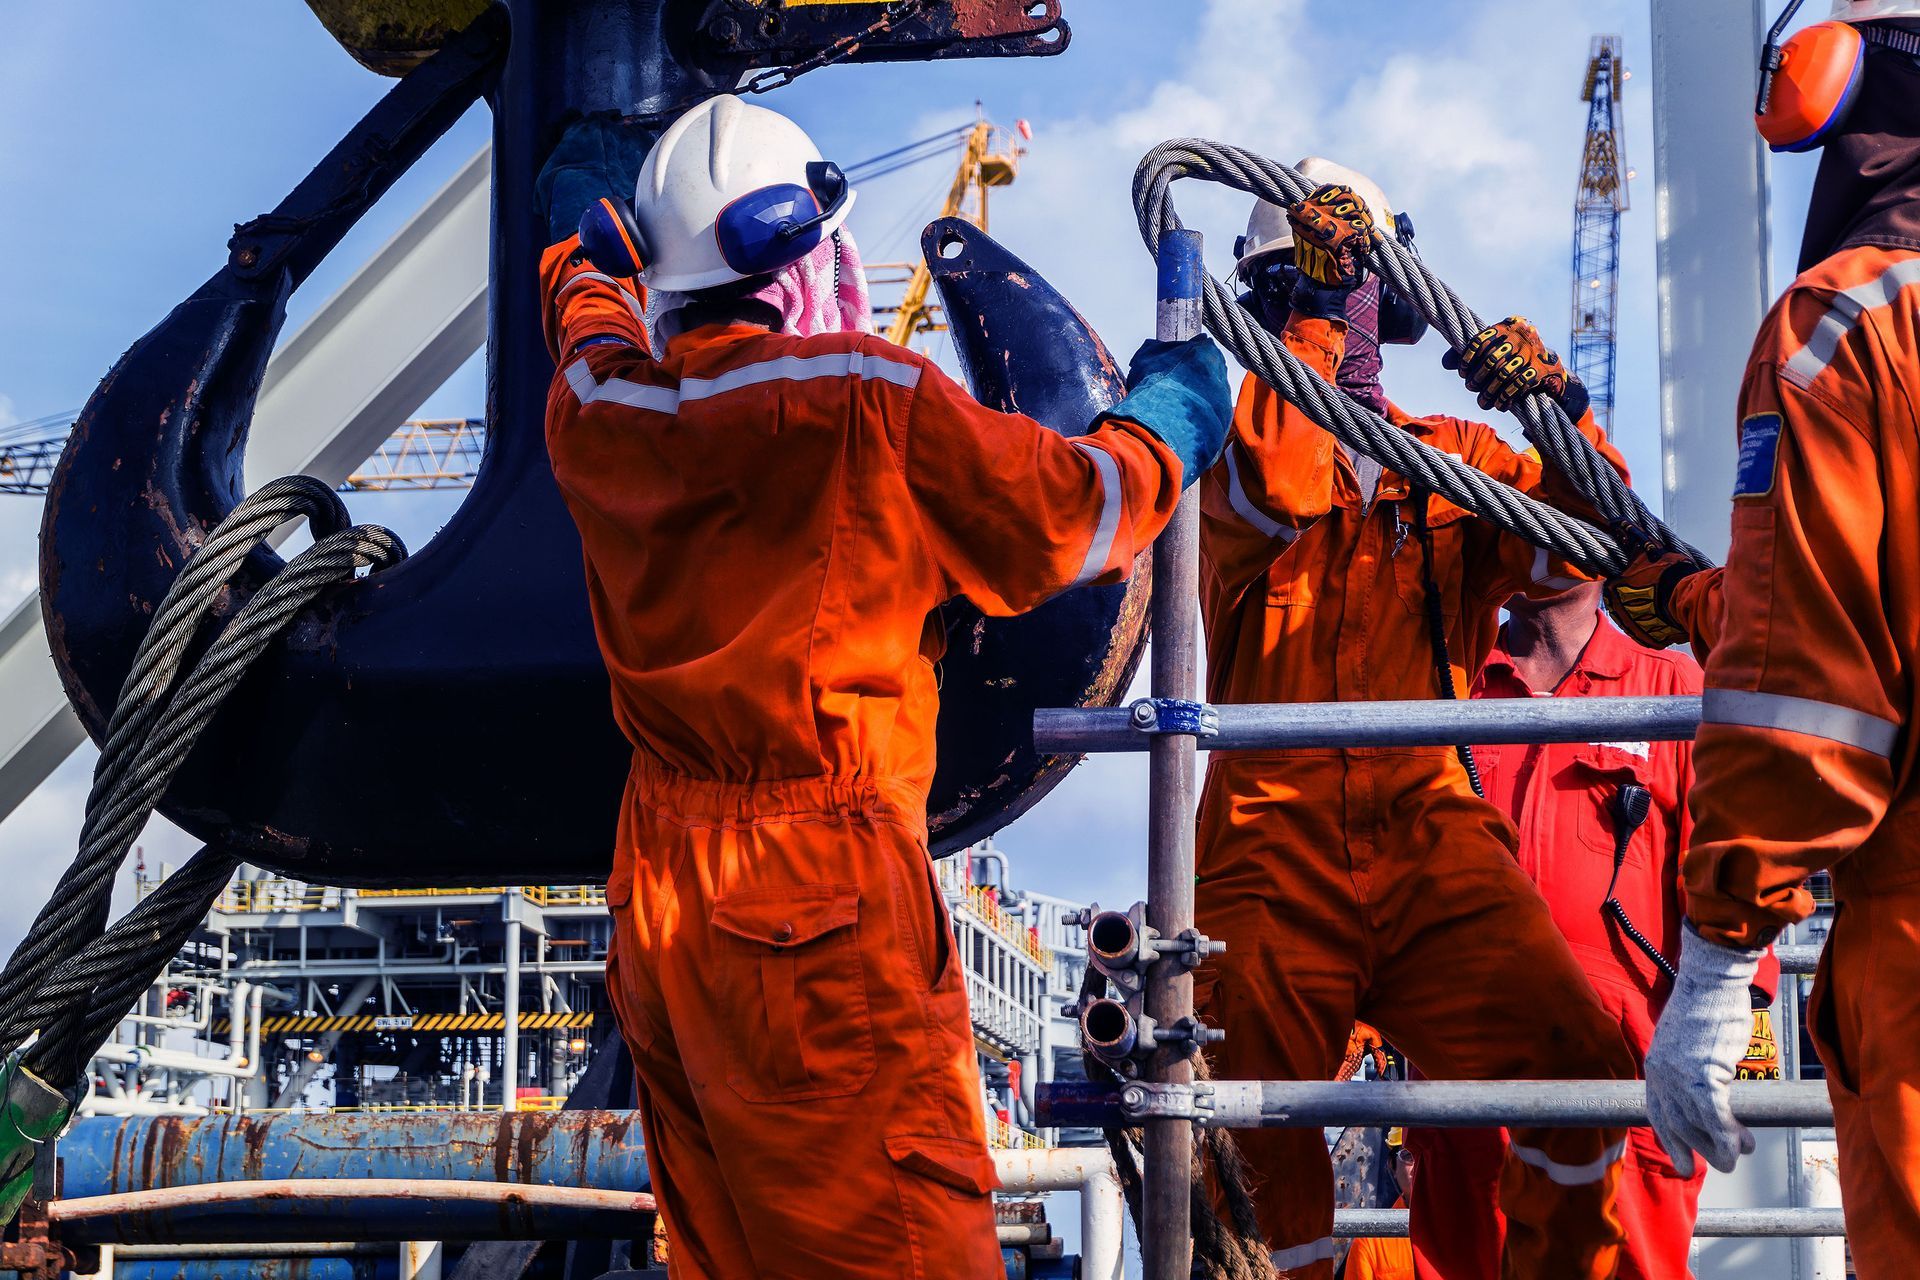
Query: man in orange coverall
[1389, 1257]
[1373, 883]
[1805, 756]
[770, 522]
[1602, 828]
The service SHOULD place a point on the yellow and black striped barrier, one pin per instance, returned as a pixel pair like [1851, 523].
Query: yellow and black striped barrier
[310, 1024]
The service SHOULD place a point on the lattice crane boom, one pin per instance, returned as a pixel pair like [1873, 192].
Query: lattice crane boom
[1601, 200]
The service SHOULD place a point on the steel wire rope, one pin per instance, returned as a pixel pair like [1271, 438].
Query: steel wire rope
[150, 734]
[1358, 427]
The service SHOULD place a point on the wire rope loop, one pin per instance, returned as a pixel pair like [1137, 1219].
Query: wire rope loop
[1543, 420]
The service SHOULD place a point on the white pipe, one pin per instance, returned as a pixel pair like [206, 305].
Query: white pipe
[98, 1106]
[237, 1023]
[1088, 1170]
[420, 1260]
[510, 1039]
[1820, 1257]
[147, 1057]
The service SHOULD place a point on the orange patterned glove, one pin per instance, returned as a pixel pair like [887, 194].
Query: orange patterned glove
[1763, 1051]
[1333, 232]
[1506, 361]
[1639, 599]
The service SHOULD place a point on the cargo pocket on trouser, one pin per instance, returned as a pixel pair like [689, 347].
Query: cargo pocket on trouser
[789, 975]
[944, 1186]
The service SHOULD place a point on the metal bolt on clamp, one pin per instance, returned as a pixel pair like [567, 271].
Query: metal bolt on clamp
[1176, 715]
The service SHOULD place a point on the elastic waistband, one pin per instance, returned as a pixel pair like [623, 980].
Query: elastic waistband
[824, 797]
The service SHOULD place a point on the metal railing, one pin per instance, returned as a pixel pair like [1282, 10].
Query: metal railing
[1165, 1100]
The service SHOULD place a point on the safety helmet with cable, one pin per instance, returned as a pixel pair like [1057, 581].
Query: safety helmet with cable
[1809, 83]
[731, 192]
[1265, 252]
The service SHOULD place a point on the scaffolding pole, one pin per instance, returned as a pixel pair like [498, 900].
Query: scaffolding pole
[1167, 1250]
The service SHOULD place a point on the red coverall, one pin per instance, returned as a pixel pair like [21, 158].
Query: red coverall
[1803, 758]
[1373, 883]
[770, 525]
[1560, 796]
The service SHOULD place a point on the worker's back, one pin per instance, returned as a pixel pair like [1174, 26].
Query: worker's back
[1813, 673]
[770, 523]
[762, 510]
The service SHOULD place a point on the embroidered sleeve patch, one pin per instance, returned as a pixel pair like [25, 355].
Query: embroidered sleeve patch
[1759, 456]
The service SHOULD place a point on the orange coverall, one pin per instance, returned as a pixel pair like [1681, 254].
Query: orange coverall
[1373, 883]
[1560, 797]
[1803, 759]
[771, 524]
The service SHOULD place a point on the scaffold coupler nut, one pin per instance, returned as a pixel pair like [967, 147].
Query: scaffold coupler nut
[1188, 1034]
[1176, 715]
[1191, 949]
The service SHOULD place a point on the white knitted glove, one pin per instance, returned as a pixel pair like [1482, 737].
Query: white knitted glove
[1699, 1043]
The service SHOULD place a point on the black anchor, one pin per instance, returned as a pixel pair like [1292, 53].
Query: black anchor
[448, 721]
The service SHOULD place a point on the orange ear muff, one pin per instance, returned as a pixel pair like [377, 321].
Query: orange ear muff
[1808, 93]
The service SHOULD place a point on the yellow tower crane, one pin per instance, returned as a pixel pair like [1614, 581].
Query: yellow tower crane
[989, 157]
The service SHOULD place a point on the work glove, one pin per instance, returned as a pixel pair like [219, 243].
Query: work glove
[1700, 1040]
[598, 156]
[1178, 391]
[1506, 361]
[1333, 232]
[1639, 597]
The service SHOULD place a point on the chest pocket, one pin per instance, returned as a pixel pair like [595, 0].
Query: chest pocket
[1596, 773]
[1446, 533]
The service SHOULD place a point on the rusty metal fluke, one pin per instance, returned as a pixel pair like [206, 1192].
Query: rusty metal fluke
[1023, 347]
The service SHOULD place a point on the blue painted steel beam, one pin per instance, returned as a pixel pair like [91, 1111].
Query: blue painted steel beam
[602, 1149]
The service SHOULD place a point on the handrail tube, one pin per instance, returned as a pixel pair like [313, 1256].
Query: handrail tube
[355, 1209]
[1798, 959]
[1349, 1224]
[1274, 1104]
[1273, 726]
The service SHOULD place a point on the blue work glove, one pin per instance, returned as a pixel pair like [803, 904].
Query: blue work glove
[1697, 1047]
[1178, 391]
[598, 156]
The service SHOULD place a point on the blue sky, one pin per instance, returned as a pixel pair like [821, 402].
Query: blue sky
[130, 145]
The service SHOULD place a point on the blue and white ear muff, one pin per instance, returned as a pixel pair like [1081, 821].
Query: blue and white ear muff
[1401, 324]
[611, 238]
[767, 230]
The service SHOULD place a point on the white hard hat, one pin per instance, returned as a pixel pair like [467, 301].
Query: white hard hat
[733, 191]
[1268, 230]
[1867, 10]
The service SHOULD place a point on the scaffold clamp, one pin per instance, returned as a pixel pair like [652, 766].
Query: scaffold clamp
[1175, 716]
[1141, 1100]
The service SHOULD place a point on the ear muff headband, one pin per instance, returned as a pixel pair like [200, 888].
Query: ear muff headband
[1808, 85]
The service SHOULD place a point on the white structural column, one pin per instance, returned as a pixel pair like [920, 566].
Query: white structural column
[1715, 287]
[510, 1041]
[370, 356]
[1715, 241]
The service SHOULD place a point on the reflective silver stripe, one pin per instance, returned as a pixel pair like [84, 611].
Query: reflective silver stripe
[1243, 505]
[634, 395]
[1812, 360]
[840, 364]
[1570, 1175]
[1302, 1255]
[633, 303]
[1543, 578]
[1800, 715]
[1112, 500]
